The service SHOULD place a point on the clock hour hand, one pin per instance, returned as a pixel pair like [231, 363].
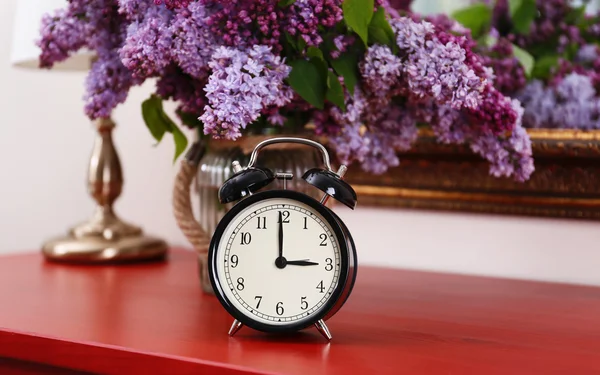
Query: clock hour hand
[301, 263]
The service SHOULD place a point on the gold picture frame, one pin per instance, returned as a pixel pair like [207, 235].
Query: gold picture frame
[566, 182]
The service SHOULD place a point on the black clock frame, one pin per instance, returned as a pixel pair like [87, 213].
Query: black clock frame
[347, 266]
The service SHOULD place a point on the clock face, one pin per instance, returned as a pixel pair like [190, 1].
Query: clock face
[278, 262]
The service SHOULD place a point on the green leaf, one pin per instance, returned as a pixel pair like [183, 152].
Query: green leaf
[380, 31]
[308, 80]
[575, 15]
[181, 141]
[477, 18]
[290, 40]
[523, 12]
[525, 59]
[335, 92]
[314, 52]
[544, 65]
[347, 66]
[358, 14]
[285, 3]
[158, 122]
[301, 45]
[151, 113]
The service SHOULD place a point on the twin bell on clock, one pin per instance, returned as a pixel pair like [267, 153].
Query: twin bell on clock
[279, 260]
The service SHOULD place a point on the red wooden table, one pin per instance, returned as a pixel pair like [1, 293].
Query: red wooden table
[153, 319]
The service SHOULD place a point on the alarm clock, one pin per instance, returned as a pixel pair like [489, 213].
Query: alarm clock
[279, 260]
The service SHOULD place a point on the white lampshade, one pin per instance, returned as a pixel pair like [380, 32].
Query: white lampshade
[25, 52]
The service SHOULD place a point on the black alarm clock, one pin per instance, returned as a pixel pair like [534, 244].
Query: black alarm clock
[279, 260]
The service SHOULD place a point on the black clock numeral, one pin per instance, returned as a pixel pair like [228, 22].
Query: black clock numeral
[234, 261]
[285, 215]
[262, 222]
[259, 298]
[323, 238]
[279, 308]
[305, 218]
[303, 303]
[245, 238]
[320, 287]
[240, 283]
[329, 264]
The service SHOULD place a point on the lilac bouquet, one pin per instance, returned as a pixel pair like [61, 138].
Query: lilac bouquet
[358, 72]
[544, 53]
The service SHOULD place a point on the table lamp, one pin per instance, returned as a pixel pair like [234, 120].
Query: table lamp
[104, 237]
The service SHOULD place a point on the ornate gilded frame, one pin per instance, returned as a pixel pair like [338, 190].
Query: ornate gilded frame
[566, 182]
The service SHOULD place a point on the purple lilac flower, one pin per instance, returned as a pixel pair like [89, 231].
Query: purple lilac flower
[539, 104]
[509, 73]
[495, 113]
[450, 126]
[62, 34]
[380, 70]
[376, 147]
[134, 9]
[146, 51]
[242, 84]
[436, 70]
[509, 156]
[193, 42]
[243, 23]
[575, 88]
[171, 4]
[107, 85]
[341, 43]
[187, 91]
[587, 54]
[305, 17]
[570, 104]
[98, 26]
[350, 144]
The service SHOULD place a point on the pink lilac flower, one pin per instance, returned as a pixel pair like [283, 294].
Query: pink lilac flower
[147, 48]
[242, 84]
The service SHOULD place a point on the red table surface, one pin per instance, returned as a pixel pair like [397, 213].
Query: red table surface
[154, 319]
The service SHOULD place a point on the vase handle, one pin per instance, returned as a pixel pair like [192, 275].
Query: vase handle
[182, 203]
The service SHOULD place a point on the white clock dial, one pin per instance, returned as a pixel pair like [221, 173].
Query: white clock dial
[256, 279]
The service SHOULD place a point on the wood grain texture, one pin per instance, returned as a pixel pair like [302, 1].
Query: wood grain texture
[153, 319]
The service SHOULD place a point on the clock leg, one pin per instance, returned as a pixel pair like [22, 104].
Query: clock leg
[236, 326]
[322, 328]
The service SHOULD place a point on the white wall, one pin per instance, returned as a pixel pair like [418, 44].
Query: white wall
[45, 142]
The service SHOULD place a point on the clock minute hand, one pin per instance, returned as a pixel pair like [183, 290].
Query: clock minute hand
[280, 235]
[301, 263]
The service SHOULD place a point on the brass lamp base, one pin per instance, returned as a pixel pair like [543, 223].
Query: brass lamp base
[104, 238]
[100, 250]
